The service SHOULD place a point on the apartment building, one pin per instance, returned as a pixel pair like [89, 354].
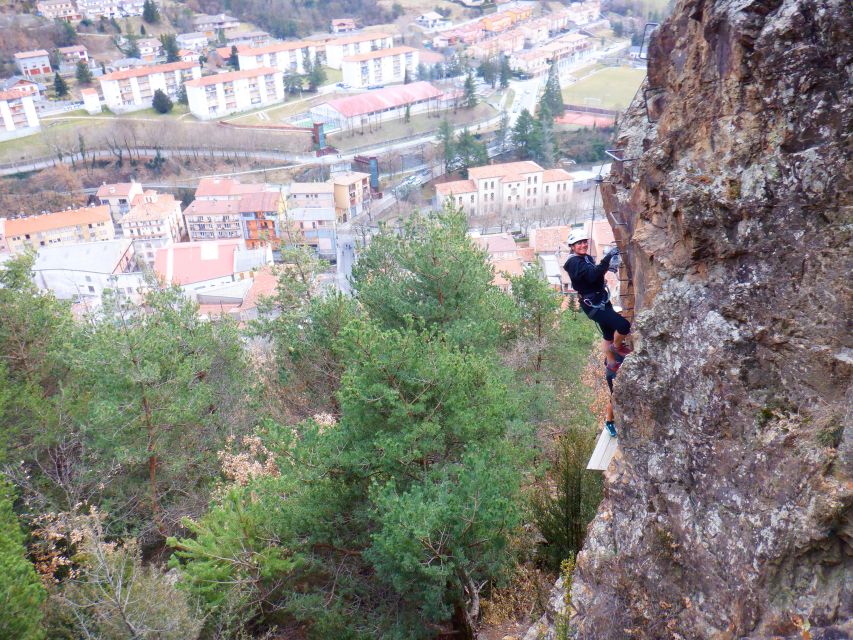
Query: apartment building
[149, 48]
[342, 25]
[212, 272]
[70, 56]
[352, 194]
[286, 57]
[247, 38]
[59, 10]
[310, 209]
[226, 189]
[91, 100]
[154, 221]
[565, 51]
[131, 7]
[133, 89]
[384, 66]
[63, 227]
[508, 186]
[213, 220]
[336, 49]
[226, 93]
[259, 218]
[34, 64]
[211, 25]
[83, 271]
[194, 41]
[94, 9]
[118, 197]
[22, 86]
[17, 115]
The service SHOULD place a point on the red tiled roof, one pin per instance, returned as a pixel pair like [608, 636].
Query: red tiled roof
[225, 187]
[548, 239]
[190, 262]
[380, 99]
[120, 190]
[496, 243]
[212, 208]
[265, 201]
[504, 169]
[456, 187]
[379, 53]
[164, 205]
[505, 268]
[13, 95]
[525, 254]
[58, 220]
[359, 37]
[556, 175]
[138, 72]
[31, 54]
[287, 45]
[230, 76]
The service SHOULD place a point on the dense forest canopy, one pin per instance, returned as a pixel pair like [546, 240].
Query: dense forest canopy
[354, 467]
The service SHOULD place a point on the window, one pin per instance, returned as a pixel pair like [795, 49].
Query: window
[472, 199]
[91, 289]
[88, 278]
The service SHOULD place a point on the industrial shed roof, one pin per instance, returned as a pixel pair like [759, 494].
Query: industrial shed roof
[380, 99]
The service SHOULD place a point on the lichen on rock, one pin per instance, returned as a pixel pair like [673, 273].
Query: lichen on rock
[727, 513]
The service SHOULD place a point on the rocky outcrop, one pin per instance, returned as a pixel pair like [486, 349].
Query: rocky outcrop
[727, 511]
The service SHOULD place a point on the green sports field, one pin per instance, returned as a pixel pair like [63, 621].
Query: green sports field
[611, 88]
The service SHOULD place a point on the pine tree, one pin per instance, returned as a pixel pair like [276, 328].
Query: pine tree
[407, 115]
[469, 98]
[470, 151]
[161, 102]
[150, 12]
[545, 152]
[523, 134]
[234, 58]
[505, 72]
[170, 47]
[448, 143]
[553, 95]
[83, 72]
[502, 132]
[317, 75]
[132, 50]
[60, 87]
[422, 72]
[182, 95]
[21, 592]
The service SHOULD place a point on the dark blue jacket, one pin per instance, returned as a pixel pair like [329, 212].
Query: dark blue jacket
[586, 276]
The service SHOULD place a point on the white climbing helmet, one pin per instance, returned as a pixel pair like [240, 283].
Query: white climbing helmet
[576, 236]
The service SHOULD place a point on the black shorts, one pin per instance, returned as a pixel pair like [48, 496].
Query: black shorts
[607, 320]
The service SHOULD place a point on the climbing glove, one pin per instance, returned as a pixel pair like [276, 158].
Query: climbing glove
[614, 263]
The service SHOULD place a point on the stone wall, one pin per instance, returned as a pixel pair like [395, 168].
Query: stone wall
[727, 510]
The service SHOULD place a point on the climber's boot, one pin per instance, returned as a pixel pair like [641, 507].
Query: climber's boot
[622, 350]
[611, 428]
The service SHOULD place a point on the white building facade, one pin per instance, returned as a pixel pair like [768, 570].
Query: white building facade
[336, 49]
[17, 115]
[380, 67]
[34, 64]
[133, 89]
[235, 91]
[508, 186]
[287, 57]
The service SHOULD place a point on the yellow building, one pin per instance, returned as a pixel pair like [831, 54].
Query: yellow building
[352, 194]
[88, 224]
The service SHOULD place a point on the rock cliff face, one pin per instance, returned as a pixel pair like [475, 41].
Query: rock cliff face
[727, 510]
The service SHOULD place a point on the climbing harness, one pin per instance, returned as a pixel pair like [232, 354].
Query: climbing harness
[595, 308]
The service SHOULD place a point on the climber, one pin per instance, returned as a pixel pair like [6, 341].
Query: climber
[588, 280]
